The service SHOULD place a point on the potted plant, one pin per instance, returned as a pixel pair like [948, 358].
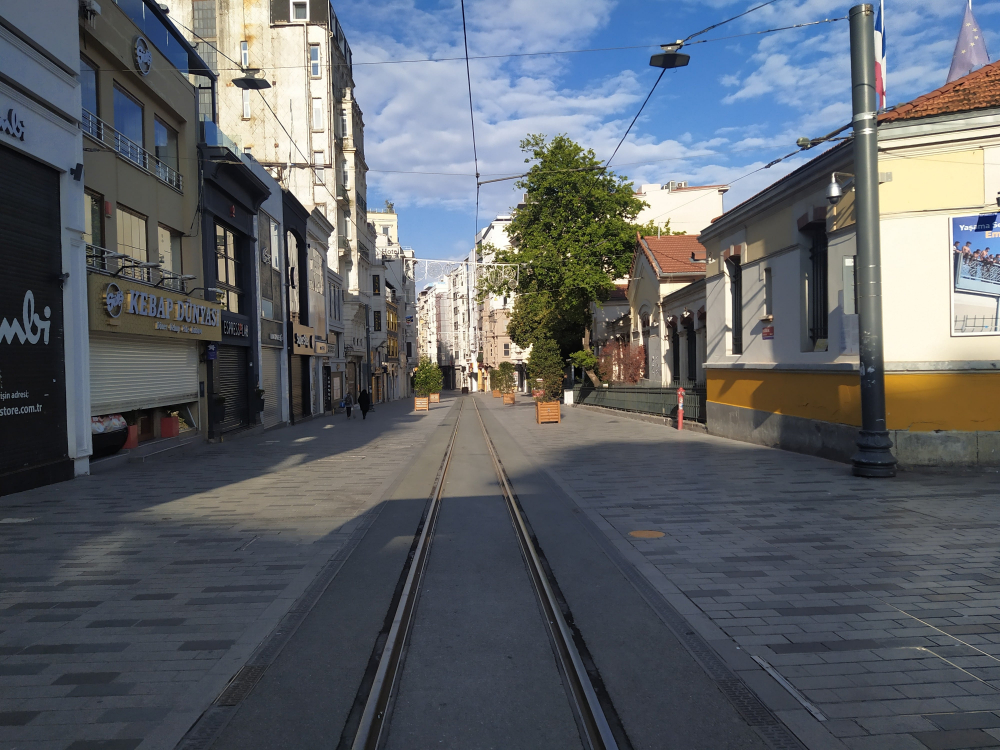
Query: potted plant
[505, 381]
[494, 384]
[426, 381]
[545, 365]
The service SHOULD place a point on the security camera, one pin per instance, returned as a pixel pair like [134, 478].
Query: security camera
[834, 192]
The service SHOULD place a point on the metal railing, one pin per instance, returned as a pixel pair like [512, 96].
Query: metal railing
[980, 270]
[100, 131]
[635, 398]
[119, 265]
[362, 204]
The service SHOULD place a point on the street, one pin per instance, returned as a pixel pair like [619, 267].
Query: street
[128, 609]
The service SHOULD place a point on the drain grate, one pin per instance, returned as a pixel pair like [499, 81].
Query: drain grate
[241, 685]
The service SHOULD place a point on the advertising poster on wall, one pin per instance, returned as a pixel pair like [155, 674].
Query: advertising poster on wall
[975, 275]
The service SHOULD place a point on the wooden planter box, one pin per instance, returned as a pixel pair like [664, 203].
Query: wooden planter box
[496, 393]
[421, 403]
[547, 411]
[435, 398]
[508, 398]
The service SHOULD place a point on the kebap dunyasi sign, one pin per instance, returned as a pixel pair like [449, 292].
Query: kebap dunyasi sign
[121, 306]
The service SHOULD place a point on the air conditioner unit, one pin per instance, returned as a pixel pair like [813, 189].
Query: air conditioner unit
[89, 9]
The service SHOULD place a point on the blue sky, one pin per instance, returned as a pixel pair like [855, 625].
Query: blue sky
[738, 105]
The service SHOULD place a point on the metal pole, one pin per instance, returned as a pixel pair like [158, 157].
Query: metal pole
[874, 458]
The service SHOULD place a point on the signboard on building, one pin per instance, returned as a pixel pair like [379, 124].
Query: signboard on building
[975, 275]
[272, 333]
[120, 305]
[302, 339]
[767, 333]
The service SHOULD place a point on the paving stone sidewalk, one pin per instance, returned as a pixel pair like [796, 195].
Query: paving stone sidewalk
[129, 599]
[878, 600]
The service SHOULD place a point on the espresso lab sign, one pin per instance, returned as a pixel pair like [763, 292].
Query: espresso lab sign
[121, 306]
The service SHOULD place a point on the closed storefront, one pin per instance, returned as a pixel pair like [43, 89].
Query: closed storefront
[32, 379]
[271, 378]
[136, 372]
[231, 388]
[298, 380]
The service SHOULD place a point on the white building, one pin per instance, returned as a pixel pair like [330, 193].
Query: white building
[688, 209]
[45, 431]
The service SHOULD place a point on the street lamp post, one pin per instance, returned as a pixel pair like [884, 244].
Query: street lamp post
[874, 458]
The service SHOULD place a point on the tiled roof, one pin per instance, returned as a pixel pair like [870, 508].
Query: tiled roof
[618, 295]
[674, 253]
[980, 89]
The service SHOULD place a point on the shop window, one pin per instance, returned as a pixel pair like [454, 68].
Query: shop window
[169, 242]
[378, 320]
[131, 227]
[229, 270]
[128, 116]
[88, 86]
[314, 60]
[166, 143]
[376, 285]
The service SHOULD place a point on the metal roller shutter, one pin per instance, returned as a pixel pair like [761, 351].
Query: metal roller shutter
[231, 382]
[271, 366]
[136, 372]
[295, 386]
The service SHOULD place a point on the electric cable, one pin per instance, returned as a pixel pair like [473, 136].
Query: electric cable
[472, 116]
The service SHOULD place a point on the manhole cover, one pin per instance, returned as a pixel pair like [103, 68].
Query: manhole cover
[646, 534]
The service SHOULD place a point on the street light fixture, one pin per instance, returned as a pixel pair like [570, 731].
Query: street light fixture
[251, 80]
[670, 57]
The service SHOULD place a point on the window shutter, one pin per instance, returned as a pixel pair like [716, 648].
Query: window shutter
[279, 11]
[319, 12]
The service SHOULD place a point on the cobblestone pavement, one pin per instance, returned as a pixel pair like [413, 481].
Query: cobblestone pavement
[129, 599]
[878, 600]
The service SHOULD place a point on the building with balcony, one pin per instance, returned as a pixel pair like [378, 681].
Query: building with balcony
[397, 269]
[306, 128]
[154, 316]
[45, 425]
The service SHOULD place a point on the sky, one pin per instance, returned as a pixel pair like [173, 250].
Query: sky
[740, 103]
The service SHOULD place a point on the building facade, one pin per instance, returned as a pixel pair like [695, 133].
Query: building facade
[45, 424]
[686, 209]
[783, 329]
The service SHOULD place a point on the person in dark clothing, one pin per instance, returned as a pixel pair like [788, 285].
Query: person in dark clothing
[365, 402]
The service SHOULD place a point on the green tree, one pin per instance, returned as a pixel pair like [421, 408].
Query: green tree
[546, 363]
[505, 377]
[428, 378]
[573, 237]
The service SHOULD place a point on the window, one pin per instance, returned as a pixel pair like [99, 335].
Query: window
[314, 60]
[88, 86]
[736, 298]
[385, 229]
[850, 287]
[343, 124]
[409, 349]
[768, 293]
[246, 104]
[132, 234]
[169, 243]
[228, 271]
[675, 351]
[128, 116]
[299, 12]
[506, 350]
[244, 54]
[317, 114]
[318, 161]
[93, 209]
[816, 291]
[378, 320]
[166, 143]
[692, 354]
[376, 286]
[347, 175]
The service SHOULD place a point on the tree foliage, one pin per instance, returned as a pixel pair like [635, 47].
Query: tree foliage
[428, 378]
[546, 363]
[504, 379]
[621, 363]
[574, 236]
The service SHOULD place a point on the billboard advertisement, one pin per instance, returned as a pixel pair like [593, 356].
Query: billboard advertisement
[975, 275]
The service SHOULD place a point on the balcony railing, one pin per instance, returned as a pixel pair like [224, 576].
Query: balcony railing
[362, 204]
[119, 265]
[101, 132]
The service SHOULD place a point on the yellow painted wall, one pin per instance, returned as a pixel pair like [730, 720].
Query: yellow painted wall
[770, 233]
[919, 402]
[936, 181]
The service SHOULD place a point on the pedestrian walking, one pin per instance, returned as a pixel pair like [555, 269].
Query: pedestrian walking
[349, 404]
[365, 402]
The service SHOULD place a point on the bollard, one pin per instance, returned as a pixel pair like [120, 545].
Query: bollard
[680, 408]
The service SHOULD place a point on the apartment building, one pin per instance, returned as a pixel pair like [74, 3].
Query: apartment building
[688, 209]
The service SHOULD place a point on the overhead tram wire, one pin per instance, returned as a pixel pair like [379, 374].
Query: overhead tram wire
[472, 116]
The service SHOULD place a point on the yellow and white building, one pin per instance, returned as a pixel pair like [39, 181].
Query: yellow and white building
[782, 329]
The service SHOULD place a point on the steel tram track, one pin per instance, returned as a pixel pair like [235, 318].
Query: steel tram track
[594, 727]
